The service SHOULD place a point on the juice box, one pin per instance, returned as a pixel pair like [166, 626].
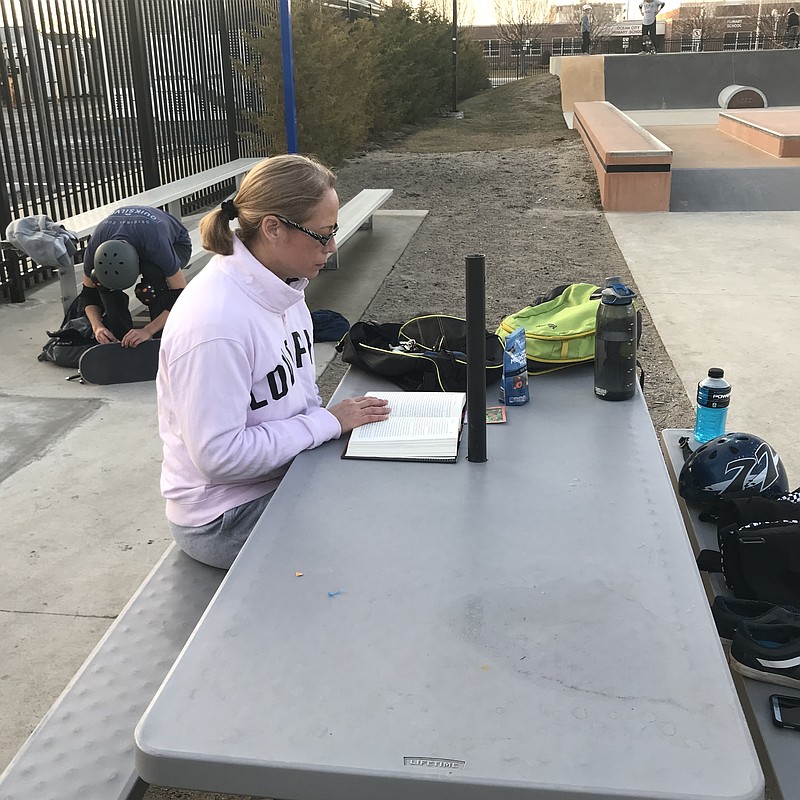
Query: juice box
[514, 383]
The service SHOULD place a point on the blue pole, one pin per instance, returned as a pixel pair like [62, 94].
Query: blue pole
[287, 58]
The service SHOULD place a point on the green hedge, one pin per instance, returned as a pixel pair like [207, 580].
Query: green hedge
[357, 80]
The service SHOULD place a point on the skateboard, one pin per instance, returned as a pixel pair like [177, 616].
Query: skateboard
[648, 47]
[112, 363]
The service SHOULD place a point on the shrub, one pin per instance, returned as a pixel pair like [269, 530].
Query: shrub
[358, 79]
[473, 68]
[414, 62]
[333, 89]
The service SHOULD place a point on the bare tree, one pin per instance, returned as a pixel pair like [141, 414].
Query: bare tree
[701, 18]
[523, 20]
[768, 23]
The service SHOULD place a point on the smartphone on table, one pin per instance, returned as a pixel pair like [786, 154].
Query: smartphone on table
[785, 711]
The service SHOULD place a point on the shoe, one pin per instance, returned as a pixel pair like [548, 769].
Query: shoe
[729, 613]
[768, 653]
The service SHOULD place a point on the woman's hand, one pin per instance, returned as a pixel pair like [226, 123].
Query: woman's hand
[359, 411]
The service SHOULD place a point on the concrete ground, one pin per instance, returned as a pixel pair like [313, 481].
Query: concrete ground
[722, 286]
[82, 519]
[723, 291]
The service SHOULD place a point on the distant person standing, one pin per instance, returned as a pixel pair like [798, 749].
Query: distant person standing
[650, 10]
[792, 28]
[586, 29]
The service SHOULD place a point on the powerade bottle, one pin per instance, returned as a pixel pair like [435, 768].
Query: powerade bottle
[713, 399]
[615, 343]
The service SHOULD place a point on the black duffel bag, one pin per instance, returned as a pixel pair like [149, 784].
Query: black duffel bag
[427, 353]
[759, 547]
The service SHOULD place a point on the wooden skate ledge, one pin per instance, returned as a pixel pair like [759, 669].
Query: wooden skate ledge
[633, 167]
[774, 130]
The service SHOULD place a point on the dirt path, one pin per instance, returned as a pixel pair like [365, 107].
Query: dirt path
[512, 181]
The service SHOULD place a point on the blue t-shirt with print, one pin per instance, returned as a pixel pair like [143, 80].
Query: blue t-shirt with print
[161, 240]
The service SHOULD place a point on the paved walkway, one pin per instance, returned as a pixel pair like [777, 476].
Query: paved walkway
[722, 287]
[723, 291]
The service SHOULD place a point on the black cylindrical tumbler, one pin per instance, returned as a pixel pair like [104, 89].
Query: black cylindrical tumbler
[476, 357]
[615, 345]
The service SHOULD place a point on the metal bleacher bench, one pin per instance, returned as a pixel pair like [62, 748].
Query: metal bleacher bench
[354, 215]
[357, 215]
[168, 196]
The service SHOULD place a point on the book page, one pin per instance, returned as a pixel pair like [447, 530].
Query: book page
[407, 428]
[423, 404]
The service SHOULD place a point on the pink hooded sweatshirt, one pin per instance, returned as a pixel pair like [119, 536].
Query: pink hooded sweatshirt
[237, 392]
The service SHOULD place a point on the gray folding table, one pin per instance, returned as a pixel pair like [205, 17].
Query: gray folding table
[529, 627]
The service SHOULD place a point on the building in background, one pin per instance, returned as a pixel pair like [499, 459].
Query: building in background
[616, 28]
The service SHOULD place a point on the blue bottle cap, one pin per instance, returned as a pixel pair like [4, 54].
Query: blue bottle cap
[617, 294]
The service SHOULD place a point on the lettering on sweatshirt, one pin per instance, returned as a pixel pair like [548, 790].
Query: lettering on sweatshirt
[281, 377]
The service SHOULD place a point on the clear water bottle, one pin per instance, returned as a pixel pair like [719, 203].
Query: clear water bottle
[615, 343]
[713, 399]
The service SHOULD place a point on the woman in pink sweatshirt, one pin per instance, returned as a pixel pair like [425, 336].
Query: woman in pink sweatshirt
[237, 393]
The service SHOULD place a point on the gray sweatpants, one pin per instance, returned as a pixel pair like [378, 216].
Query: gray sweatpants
[218, 542]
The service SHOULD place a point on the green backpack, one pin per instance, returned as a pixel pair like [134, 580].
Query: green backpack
[559, 327]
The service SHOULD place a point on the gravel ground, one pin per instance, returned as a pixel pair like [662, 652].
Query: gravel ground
[511, 181]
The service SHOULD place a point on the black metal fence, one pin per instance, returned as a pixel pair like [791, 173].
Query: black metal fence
[510, 61]
[106, 98]
[738, 40]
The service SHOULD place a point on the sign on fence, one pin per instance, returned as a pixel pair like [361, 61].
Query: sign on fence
[634, 28]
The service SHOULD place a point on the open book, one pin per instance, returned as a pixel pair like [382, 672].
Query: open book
[423, 426]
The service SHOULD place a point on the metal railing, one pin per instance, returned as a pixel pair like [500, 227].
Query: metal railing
[108, 98]
[741, 40]
[511, 61]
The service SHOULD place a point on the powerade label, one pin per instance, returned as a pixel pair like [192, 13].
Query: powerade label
[712, 397]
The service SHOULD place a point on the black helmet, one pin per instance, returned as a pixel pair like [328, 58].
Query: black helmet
[116, 264]
[731, 466]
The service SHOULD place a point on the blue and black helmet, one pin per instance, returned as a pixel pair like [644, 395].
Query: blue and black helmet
[731, 466]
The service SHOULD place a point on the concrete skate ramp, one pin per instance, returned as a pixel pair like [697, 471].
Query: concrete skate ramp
[581, 80]
[735, 190]
[694, 80]
[712, 171]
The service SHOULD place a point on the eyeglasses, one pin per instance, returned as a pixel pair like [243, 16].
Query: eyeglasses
[322, 238]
